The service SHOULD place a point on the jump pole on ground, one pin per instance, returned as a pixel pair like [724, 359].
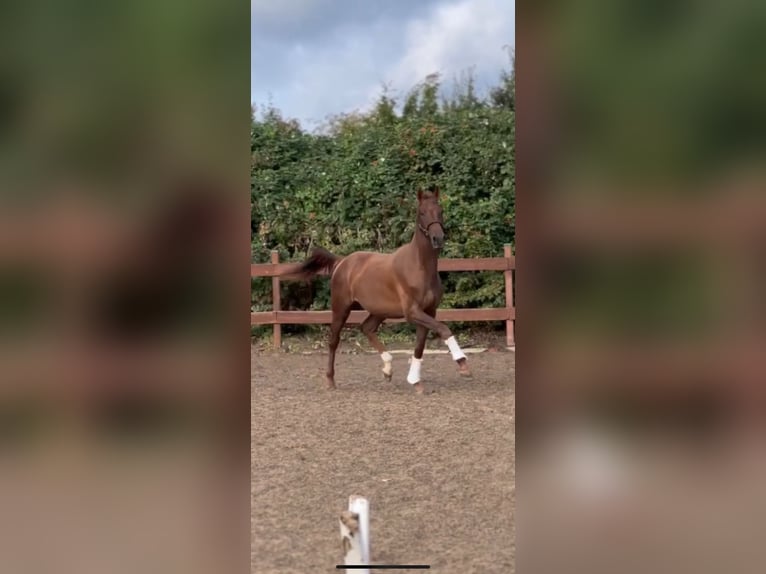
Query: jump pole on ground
[355, 534]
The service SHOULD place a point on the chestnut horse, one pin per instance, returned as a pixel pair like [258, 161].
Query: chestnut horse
[403, 284]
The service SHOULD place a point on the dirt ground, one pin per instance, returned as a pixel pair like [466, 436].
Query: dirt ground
[438, 469]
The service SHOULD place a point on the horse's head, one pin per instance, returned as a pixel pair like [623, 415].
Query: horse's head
[430, 217]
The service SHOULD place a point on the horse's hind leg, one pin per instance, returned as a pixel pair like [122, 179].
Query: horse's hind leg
[369, 327]
[340, 313]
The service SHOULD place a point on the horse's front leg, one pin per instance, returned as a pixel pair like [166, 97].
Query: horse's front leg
[423, 319]
[413, 377]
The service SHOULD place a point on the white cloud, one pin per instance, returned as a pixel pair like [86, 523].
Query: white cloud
[343, 69]
[332, 77]
[456, 37]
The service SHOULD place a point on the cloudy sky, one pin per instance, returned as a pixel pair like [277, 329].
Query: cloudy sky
[311, 58]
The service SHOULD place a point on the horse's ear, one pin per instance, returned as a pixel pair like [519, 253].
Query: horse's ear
[436, 192]
[420, 195]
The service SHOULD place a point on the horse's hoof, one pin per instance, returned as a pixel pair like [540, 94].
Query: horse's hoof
[420, 389]
[464, 371]
[388, 376]
[330, 385]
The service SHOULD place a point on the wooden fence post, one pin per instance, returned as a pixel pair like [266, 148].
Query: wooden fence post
[276, 302]
[509, 336]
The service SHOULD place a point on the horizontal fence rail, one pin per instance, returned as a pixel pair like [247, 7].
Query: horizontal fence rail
[278, 317]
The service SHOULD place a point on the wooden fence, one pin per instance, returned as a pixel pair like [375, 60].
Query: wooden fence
[277, 317]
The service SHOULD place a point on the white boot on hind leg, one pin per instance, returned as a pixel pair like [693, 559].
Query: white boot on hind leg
[387, 364]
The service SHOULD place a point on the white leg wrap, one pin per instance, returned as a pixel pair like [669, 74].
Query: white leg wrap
[414, 375]
[387, 358]
[454, 348]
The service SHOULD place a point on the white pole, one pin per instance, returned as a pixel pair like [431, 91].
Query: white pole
[361, 507]
[355, 533]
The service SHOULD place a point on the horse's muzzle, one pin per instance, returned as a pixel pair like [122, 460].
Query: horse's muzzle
[437, 242]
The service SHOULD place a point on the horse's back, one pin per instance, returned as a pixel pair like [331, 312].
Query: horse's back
[363, 263]
[361, 258]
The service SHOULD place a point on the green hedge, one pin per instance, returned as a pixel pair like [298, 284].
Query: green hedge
[353, 185]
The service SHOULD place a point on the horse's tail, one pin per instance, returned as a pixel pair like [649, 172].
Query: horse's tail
[319, 260]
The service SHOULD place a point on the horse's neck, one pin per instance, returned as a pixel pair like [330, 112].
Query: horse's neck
[427, 256]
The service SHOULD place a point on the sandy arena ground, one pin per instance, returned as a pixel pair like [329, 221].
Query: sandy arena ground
[438, 469]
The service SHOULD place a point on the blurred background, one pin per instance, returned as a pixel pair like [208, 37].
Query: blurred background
[123, 258]
[640, 315]
[641, 328]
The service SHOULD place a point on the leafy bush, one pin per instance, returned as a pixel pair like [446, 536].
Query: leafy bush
[353, 185]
